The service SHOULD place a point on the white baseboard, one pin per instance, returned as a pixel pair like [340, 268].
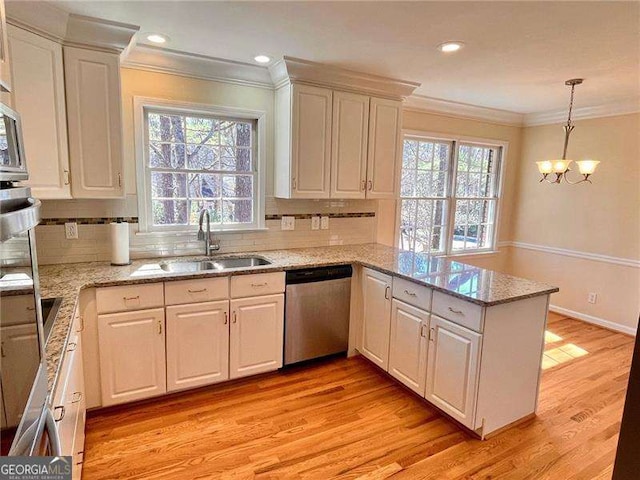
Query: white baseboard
[601, 322]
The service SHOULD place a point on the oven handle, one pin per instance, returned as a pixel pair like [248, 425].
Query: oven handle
[18, 221]
[52, 431]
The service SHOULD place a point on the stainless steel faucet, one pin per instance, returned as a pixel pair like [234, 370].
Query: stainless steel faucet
[209, 244]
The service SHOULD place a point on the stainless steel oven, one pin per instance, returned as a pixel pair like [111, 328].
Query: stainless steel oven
[25, 417]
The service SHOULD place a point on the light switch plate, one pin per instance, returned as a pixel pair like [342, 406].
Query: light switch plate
[315, 223]
[324, 223]
[71, 230]
[288, 223]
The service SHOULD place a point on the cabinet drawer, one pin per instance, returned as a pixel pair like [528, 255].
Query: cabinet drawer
[458, 311]
[129, 297]
[412, 293]
[196, 291]
[258, 284]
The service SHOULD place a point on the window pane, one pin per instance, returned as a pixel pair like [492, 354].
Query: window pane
[409, 154]
[214, 207]
[237, 211]
[166, 128]
[203, 157]
[473, 224]
[169, 212]
[166, 155]
[407, 224]
[237, 186]
[477, 171]
[168, 185]
[204, 185]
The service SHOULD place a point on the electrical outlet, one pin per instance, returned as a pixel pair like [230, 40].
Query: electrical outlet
[324, 223]
[71, 230]
[288, 223]
[315, 223]
[593, 297]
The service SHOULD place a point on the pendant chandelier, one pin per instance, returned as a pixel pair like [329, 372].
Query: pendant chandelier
[561, 167]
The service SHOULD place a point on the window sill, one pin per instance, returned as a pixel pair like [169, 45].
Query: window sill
[182, 233]
[474, 254]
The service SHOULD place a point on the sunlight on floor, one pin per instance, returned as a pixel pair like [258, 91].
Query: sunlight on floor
[562, 354]
[550, 337]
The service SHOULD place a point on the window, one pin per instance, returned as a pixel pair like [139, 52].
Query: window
[194, 161]
[448, 195]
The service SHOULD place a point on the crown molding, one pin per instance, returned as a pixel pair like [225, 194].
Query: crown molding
[291, 69]
[162, 60]
[423, 103]
[48, 21]
[631, 105]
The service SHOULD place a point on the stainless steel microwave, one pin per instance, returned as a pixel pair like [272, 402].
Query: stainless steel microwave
[13, 165]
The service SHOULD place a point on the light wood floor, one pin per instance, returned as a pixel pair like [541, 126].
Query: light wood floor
[344, 419]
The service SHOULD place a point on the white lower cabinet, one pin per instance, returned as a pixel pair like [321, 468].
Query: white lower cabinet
[197, 344]
[376, 316]
[452, 371]
[132, 355]
[256, 336]
[408, 345]
[69, 404]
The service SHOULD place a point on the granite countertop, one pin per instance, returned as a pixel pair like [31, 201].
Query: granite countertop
[476, 285]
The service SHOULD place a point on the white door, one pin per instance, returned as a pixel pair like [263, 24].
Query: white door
[256, 337]
[349, 145]
[38, 94]
[19, 348]
[452, 369]
[132, 355]
[385, 148]
[197, 344]
[92, 81]
[408, 346]
[310, 142]
[377, 317]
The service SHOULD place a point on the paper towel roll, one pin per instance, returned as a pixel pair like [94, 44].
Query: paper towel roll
[120, 243]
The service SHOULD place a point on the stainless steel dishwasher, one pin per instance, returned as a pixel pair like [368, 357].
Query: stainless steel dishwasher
[316, 312]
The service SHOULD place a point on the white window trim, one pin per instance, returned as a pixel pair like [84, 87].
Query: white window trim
[504, 145]
[142, 187]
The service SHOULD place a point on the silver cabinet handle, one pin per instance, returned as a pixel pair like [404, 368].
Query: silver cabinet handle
[386, 292]
[159, 327]
[370, 183]
[423, 329]
[61, 410]
[81, 327]
[202, 290]
[72, 346]
[458, 312]
[295, 184]
[411, 294]
[226, 318]
[258, 285]
[127, 299]
[77, 396]
[364, 185]
[235, 316]
[66, 177]
[119, 179]
[432, 334]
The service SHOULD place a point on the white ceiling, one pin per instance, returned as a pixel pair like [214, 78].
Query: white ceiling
[517, 54]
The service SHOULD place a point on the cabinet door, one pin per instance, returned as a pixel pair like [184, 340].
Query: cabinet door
[377, 317]
[197, 344]
[5, 64]
[349, 145]
[78, 397]
[452, 369]
[95, 122]
[38, 94]
[132, 355]
[385, 147]
[408, 346]
[310, 142]
[257, 333]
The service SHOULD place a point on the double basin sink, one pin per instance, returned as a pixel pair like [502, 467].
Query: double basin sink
[218, 264]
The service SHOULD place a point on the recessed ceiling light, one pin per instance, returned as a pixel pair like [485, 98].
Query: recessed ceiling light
[448, 47]
[262, 59]
[157, 38]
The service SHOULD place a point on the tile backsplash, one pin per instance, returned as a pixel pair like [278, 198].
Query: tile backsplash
[351, 222]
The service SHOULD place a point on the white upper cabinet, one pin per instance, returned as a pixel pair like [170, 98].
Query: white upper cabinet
[408, 345]
[385, 147]
[5, 64]
[376, 317]
[349, 145]
[95, 122]
[38, 94]
[452, 369]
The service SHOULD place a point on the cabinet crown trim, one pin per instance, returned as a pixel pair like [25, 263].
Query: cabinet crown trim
[291, 69]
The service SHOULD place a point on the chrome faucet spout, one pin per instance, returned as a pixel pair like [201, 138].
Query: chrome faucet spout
[209, 244]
